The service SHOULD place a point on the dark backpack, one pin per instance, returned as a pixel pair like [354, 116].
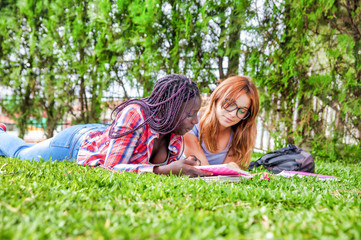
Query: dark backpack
[290, 158]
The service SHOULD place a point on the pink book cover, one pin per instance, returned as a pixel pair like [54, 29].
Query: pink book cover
[302, 174]
[224, 169]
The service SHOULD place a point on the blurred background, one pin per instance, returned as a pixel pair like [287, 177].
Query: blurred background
[68, 62]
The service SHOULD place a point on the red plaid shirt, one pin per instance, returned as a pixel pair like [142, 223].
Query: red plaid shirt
[130, 152]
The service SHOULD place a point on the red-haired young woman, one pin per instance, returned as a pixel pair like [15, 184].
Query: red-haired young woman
[227, 129]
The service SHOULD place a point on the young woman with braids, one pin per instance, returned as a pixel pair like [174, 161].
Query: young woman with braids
[227, 129]
[146, 135]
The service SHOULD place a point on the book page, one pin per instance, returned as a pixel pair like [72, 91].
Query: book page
[220, 178]
[306, 174]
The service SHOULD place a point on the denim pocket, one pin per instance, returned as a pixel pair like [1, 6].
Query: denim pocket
[64, 138]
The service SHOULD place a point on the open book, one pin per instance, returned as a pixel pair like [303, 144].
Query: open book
[306, 174]
[222, 178]
[225, 170]
[228, 173]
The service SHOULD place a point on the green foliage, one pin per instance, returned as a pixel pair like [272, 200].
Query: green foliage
[57, 54]
[309, 69]
[334, 151]
[57, 200]
[304, 56]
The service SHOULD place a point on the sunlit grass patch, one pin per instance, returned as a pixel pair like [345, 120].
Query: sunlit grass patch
[57, 200]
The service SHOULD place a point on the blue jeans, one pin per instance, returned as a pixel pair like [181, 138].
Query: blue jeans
[65, 145]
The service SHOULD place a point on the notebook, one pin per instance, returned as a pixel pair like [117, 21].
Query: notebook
[225, 170]
[227, 178]
[306, 174]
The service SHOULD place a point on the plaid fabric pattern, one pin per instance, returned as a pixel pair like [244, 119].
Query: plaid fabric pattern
[130, 152]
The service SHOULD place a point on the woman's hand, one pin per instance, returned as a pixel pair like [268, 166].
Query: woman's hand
[183, 167]
[192, 147]
[233, 164]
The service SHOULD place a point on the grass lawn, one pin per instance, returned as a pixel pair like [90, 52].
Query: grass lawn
[60, 200]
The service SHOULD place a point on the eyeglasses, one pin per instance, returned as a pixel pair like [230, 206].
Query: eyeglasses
[230, 106]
